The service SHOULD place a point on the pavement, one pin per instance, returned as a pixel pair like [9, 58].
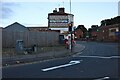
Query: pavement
[23, 59]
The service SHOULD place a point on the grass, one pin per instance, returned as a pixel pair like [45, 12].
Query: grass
[12, 51]
[8, 51]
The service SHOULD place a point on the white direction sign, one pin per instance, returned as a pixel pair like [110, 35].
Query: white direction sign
[61, 66]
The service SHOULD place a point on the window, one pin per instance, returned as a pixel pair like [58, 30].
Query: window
[113, 30]
[59, 21]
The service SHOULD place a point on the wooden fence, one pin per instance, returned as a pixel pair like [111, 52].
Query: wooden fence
[29, 38]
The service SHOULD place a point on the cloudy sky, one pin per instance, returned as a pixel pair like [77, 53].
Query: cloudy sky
[35, 13]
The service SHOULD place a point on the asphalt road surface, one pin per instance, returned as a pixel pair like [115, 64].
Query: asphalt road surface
[98, 61]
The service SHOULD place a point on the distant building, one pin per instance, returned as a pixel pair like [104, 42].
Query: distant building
[17, 34]
[0, 39]
[59, 19]
[1, 28]
[38, 28]
[93, 32]
[16, 27]
[78, 33]
[109, 33]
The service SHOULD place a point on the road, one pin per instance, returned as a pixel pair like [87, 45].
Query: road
[97, 61]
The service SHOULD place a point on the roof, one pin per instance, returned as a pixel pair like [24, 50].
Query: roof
[109, 26]
[14, 24]
[16, 27]
[41, 29]
[58, 13]
[38, 28]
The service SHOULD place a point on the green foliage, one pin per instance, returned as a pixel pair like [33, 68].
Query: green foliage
[111, 21]
[82, 27]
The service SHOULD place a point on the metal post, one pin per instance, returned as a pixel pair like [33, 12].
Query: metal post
[71, 27]
[70, 6]
[71, 41]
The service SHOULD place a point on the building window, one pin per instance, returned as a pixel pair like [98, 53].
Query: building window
[113, 30]
[59, 21]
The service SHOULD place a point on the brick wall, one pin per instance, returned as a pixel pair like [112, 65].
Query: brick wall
[104, 33]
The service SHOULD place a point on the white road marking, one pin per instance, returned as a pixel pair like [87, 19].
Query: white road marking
[65, 65]
[76, 55]
[115, 56]
[104, 78]
[111, 57]
[96, 57]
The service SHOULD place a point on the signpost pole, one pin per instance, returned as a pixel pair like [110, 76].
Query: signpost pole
[70, 28]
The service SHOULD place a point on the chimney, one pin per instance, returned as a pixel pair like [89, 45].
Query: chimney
[61, 10]
[54, 11]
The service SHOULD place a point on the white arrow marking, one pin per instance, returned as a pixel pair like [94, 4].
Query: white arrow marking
[65, 65]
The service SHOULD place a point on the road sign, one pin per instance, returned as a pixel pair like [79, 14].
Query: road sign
[117, 33]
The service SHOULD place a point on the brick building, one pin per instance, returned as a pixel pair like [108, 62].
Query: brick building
[109, 33]
[79, 33]
[94, 32]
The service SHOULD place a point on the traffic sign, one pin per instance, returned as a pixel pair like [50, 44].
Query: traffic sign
[117, 33]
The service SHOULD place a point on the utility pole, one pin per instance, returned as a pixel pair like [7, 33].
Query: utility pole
[70, 6]
[70, 29]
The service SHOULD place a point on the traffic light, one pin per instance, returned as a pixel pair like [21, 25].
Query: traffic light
[97, 30]
[70, 26]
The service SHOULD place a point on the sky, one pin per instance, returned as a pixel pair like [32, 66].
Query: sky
[34, 13]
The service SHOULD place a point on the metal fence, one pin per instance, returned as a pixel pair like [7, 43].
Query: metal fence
[42, 41]
[20, 47]
[30, 38]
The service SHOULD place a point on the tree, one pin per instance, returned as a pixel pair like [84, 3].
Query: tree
[115, 20]
[82, 27]
[94, 26]
[89, 32]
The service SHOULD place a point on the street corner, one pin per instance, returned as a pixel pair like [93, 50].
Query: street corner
[79, 47]
[78, 50]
